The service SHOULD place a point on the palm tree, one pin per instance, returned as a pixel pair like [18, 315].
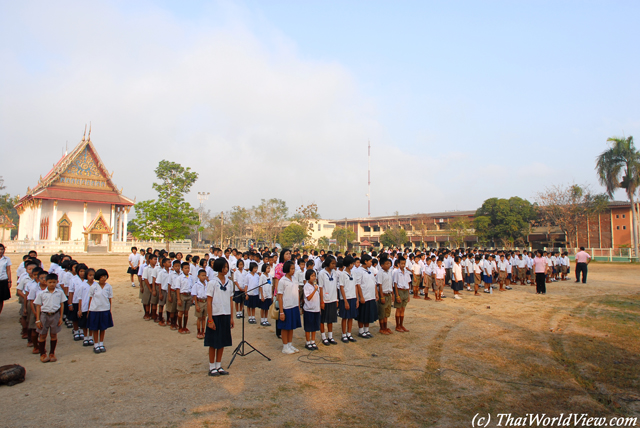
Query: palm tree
[619, 168]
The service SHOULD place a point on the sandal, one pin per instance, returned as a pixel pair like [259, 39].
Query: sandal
[91, 342]
[326, 342]
[76, 337]
[214, 372]
[96, 350]
[103, 349]
[222, 372]
[332, 341]
[86, 343]
[351, 338]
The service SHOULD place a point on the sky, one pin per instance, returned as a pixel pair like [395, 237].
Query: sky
[461, 101]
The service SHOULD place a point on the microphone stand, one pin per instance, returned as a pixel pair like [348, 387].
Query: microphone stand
[240, 351]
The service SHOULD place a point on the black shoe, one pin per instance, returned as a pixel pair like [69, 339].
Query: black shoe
[214, 372]
[345, 339]
[222, 372]
[351, 338]
[332, 341]
[326, 342]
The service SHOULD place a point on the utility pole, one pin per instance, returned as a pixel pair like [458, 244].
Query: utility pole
[369, 180]
[202, 196]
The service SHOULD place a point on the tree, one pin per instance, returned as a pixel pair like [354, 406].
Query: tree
[504, 220]
[305, 216]
[267, 219]
[7, 207]
[239, 221]
[292, 235]
[618, 167]
[460, 228]
[393, 237]
[567, 207]
[169, 217]
[342, 236]
[323, 242]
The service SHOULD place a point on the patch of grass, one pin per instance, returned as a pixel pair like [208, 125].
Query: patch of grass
[244, 412]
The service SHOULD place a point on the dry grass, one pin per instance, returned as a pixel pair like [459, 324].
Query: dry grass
[573, 350]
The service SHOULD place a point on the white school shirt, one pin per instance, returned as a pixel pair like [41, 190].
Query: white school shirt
[386, 280]
[142, 267]
[457, 272]
[440, 272]
[401, 279]
[50, 302]
[134, 259]
[447, 262]
[317, 264]
[348, 282]
[477, 268]
[53, 268]
[566, 261]
[416, 269]
[34, 290]
[368, 285]
[77, 288]
[549, 262]
[521, 263]
[220, 296]
[328, 283]
[252, 282]
[312, 305]
[246, 264]
[82, 291]
[67, 280]
[150, 274]
[267, 288]
[21, 269]
[199, 290]
[186, 284]
[239, 277]
[163, 279]
[290, 293]
[503, 265]
[24, 280]
[174, 280]
[100, 297]
[298, 277]
[233, 263]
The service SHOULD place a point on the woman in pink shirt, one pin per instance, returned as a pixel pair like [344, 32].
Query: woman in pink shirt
[540, 268]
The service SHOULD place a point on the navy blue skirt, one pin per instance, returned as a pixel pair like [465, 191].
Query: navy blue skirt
[311, 321]
[352, 312]
[238, 296]
[253, 302]
[100, 320]
[368, 312]
[266, 304]
[73, 315]
[291, 319]
[221, 336]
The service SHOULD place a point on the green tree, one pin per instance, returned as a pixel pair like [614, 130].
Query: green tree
[7, 207]
[292, 235]
[504, 220]
[267, 219]
[169, 217]
[460, 228]
[239, 221]
[307, 216]
[618, 167]
[323, 242]
[343, 236]
[394, 237]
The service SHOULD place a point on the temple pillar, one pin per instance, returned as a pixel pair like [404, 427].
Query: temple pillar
[124, 228]
[53, 224]
[111, 218]
[84, 218]
[38, 215]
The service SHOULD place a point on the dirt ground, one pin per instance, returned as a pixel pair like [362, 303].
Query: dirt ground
[575, 349]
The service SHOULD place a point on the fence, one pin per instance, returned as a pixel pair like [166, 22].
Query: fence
[74, 247]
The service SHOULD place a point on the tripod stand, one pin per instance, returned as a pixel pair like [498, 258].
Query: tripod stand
[240, 351]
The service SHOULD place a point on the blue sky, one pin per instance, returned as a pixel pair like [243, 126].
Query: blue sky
[462, 101]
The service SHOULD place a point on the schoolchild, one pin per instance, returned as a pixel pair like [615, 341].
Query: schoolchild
[311, 309]
[75, 310]
[134, 263]
[266, 295]
[174, 291]
[149, 288]
[401, 281]
[367, 291]
[252, 296]
[384, 280]
[328, 284]
[289, 305]
[82, 293]
[185, 297]
[199, 299]
[100, 318]
[36, 288]
[219, 320]
[48, 306]
[349, 303]
[239, 288]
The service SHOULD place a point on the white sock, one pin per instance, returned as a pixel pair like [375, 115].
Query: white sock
[96, 345]
[218, 365]
[330, 335]
[101, 343]
[324, 336]
[212, 366]
[361, 330]
[308, 342]
[344, 335]
[366, 329]
[349, 334]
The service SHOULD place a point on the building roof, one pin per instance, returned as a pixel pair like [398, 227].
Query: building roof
[79, 175]
[405, 216]
[5, 222]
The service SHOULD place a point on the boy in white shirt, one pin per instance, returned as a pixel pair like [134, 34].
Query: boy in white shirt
[48, 314]
[384, 280]
[401, 281]
[149, 288]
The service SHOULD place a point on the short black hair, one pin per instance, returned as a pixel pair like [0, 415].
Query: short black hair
[219, 264]
[100, 273]
[52, 276]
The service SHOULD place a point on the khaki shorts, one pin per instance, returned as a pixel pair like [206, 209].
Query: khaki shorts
[163, 301]
[416, 281]
[201, 308]
[522, 272]
[564, 269]
[502, 276]
[186, 303]
[154, 299]
[49, 323]
[477, 279]
[384, 309]
[146, 296]
[171, 306]
[404, 299]
[31, 317]
[439, 285]
[428, 281]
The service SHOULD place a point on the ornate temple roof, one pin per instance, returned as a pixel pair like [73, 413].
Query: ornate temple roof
[79, 175]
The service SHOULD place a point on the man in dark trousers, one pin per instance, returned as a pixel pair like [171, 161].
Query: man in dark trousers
[582, 260]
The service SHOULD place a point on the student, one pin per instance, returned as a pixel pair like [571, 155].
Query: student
[348, 307]
[49, 305]
[100, 318]
[239, 280]
[5, 277]
[487, 268]
[439, 277]
[289, 306]
[457, 278]
[22, 291]
[368, 294]
[219, 320]
[174, 292]
[401, 281]
[36, 288]
[521, 266]
[199, 300]
[134, 263]
[299, 278]
[427, 278]
[266, 293]
[82, 293]
[144, 258]
[328, 283]
[384, 280]
[163, 290]
[149, 288]
[252, 296]
[566, 263]
[185, 297]
[78, 290]
[311, 309]
[503, 268]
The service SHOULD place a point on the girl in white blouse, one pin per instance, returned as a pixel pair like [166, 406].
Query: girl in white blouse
[100, 319]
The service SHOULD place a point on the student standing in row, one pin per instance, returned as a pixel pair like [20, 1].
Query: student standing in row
[48, 313]
[289, 308]
[219, 320]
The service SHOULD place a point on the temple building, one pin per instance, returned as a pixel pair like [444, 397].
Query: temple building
[76, 203]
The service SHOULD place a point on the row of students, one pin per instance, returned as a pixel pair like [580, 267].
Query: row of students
[69, 292]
